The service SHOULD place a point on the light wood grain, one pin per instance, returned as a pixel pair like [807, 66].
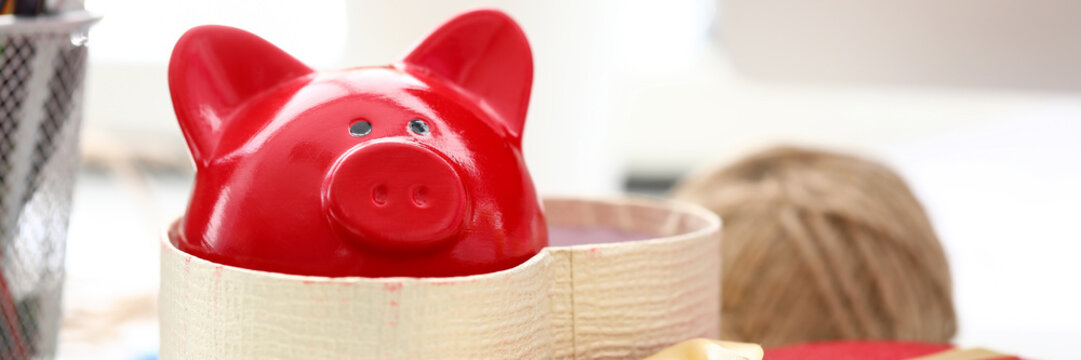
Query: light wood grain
[589, 301]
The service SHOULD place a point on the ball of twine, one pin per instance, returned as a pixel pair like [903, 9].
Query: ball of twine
[822, 246]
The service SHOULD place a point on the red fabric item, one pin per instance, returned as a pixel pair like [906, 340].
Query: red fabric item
[856, 350]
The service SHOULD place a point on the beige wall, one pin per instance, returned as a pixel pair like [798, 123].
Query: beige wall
[619, 87]
[987, 43]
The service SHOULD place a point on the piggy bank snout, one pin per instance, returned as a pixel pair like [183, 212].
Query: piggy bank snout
[396, 196]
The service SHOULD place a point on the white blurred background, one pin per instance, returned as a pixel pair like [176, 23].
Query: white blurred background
[976, 103]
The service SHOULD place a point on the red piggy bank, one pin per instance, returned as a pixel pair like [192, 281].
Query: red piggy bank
[412, 169]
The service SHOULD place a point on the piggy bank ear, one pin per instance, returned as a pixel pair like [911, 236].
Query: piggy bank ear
[486, 55]
[213, 70]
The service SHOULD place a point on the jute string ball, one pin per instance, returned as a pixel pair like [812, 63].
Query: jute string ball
[822, 246]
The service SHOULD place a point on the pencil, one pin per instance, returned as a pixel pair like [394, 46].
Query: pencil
[7, 7]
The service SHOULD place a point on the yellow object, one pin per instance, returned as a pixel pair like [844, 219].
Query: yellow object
[703, 349]
[964, 354]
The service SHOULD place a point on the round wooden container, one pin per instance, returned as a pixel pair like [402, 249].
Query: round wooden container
[621, 279]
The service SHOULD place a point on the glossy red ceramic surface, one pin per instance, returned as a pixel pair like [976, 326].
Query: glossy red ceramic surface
[411, 169]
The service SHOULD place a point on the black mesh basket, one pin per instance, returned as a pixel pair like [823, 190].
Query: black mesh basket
[42, 63]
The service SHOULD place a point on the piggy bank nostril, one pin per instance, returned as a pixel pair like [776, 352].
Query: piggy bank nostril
[379, 195]
[420, 196]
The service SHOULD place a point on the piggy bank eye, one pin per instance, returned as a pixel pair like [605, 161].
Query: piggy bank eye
[418, 126]
[360, 128]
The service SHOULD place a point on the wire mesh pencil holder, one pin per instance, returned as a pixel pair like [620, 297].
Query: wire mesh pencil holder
[42, 65]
